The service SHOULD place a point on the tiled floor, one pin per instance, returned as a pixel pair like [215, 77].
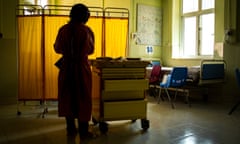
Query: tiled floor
[203, 123]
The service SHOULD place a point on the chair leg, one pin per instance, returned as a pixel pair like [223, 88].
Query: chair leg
[234, 108]
[159, 94]
[176, 91]
[155, 92]
[150, 91]
[169, 98]
[187, 97]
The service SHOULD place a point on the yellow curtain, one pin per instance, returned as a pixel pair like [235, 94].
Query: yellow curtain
[30, 76]
[37, 72]
[52, 25]
[116, 33]
[96, 24]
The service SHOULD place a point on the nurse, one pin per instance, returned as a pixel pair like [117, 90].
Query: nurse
[75, 41]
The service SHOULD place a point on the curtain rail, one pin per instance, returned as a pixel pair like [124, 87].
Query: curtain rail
[26, 10]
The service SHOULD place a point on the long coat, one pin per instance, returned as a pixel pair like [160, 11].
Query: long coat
[75, 41]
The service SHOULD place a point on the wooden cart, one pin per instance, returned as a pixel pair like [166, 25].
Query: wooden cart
[119, 92]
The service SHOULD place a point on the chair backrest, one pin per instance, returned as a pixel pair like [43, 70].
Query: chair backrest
[155, 62]
[155, 74]
[238, 76]
[178, 76]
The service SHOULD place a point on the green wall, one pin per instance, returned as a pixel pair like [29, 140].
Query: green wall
[140, 50]
[8, 55]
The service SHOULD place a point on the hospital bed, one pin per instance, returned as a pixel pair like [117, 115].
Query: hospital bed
[209, 72]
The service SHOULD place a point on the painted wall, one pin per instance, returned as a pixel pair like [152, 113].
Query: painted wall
[92, 3]
[97, 3]
[8, 57]
[140, 50]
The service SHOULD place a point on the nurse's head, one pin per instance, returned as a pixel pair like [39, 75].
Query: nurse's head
[79, 13]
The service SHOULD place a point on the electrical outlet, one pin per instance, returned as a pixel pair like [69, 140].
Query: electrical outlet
[230, 36]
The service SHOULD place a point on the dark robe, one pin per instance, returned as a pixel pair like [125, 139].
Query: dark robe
[75, 42]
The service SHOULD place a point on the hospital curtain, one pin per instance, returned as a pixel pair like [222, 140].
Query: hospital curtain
[52, 25]
[96, 24]
[116, 33]
[37, 74]
[30, 75]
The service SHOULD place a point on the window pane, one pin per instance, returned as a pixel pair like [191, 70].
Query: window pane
[207, 34]
[42, 2]
[189, 36]
[190, 6]
[207, 4]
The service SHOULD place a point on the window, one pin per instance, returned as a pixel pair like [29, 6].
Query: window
[35, 2]
[42, 2]
[197, 23]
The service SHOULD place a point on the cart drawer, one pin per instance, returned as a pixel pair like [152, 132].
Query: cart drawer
[122, 95]
[125, 85]
[124, 110]
[123, 73]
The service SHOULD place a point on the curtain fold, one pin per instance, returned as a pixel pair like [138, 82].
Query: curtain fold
[116, 33]
[30, 76]
[52, 25]
[96, 24]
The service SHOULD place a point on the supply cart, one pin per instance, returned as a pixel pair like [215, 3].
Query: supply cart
[118, 92]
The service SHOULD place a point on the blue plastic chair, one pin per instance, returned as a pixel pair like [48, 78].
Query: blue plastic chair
[237, 72]
[175, 80]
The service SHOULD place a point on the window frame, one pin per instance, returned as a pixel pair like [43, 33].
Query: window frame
[198, 15]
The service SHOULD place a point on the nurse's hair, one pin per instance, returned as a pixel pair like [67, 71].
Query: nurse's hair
[79, 13]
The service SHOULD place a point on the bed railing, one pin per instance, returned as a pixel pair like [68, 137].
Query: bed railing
[212, 71]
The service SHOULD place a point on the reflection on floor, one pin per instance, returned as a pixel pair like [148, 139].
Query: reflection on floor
[203, 123]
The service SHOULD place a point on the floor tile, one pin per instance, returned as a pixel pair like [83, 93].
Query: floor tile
[203, 123]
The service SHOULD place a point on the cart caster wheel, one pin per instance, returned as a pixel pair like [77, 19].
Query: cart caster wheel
[103, 127]
[134, 120]
[144, 124]
[45, 110]
[95, 122]
[19, 113]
